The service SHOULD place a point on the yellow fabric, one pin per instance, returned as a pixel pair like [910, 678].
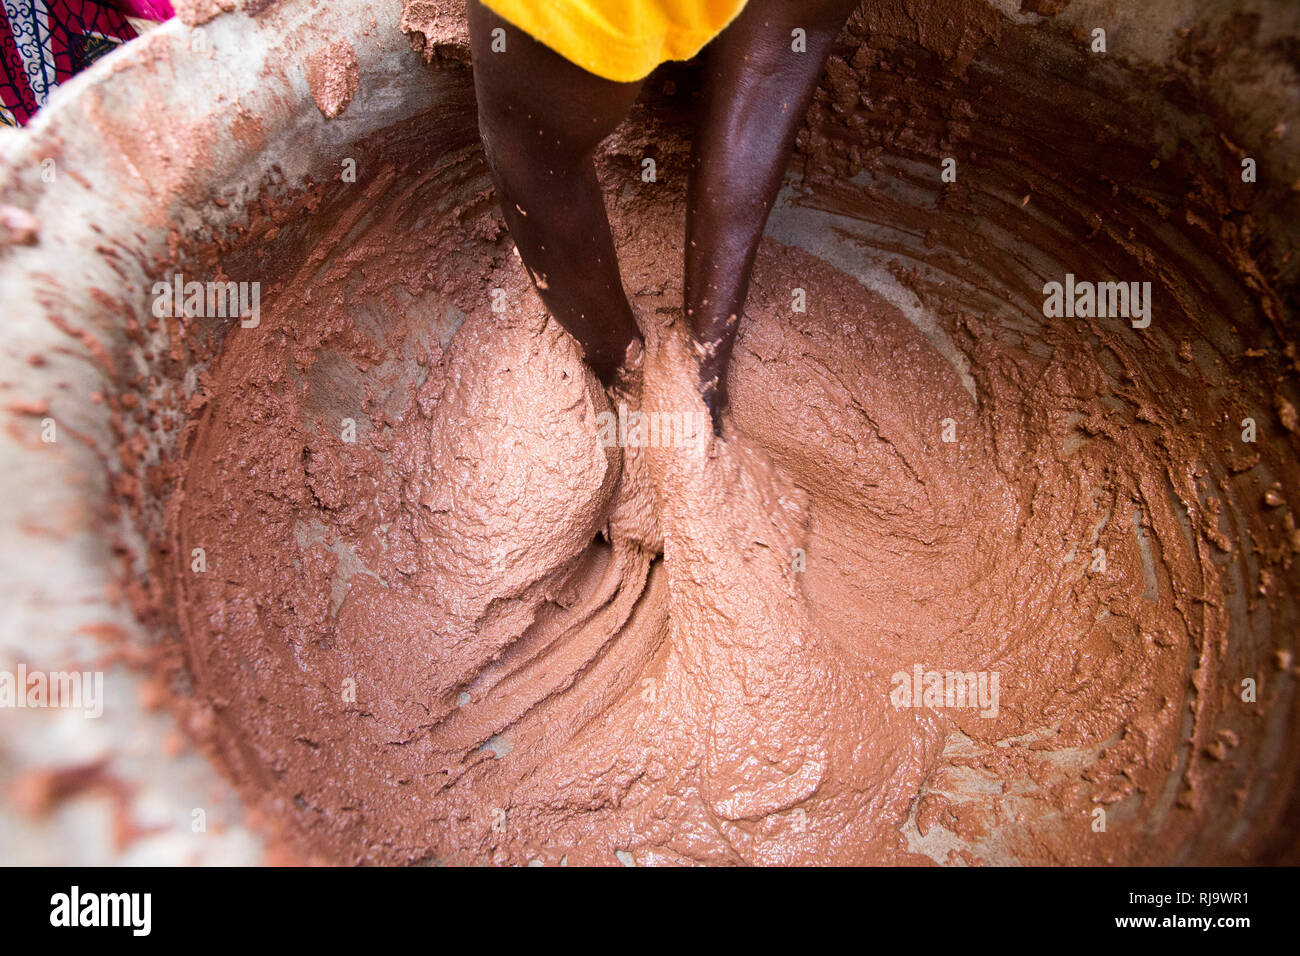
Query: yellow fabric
[621, 40]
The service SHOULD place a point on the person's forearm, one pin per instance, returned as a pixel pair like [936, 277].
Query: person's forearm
[758, 84]
[541, 117]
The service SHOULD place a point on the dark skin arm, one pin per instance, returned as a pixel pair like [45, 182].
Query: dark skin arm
[542, 117]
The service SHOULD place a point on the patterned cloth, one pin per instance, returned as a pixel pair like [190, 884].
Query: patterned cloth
[44, 42]
[146, 9]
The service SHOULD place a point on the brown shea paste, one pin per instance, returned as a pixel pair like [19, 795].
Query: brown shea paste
[442, 622]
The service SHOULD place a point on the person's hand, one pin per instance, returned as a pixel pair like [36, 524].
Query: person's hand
[714, 355]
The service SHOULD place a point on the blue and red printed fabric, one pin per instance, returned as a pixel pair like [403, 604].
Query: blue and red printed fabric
[44, 42]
